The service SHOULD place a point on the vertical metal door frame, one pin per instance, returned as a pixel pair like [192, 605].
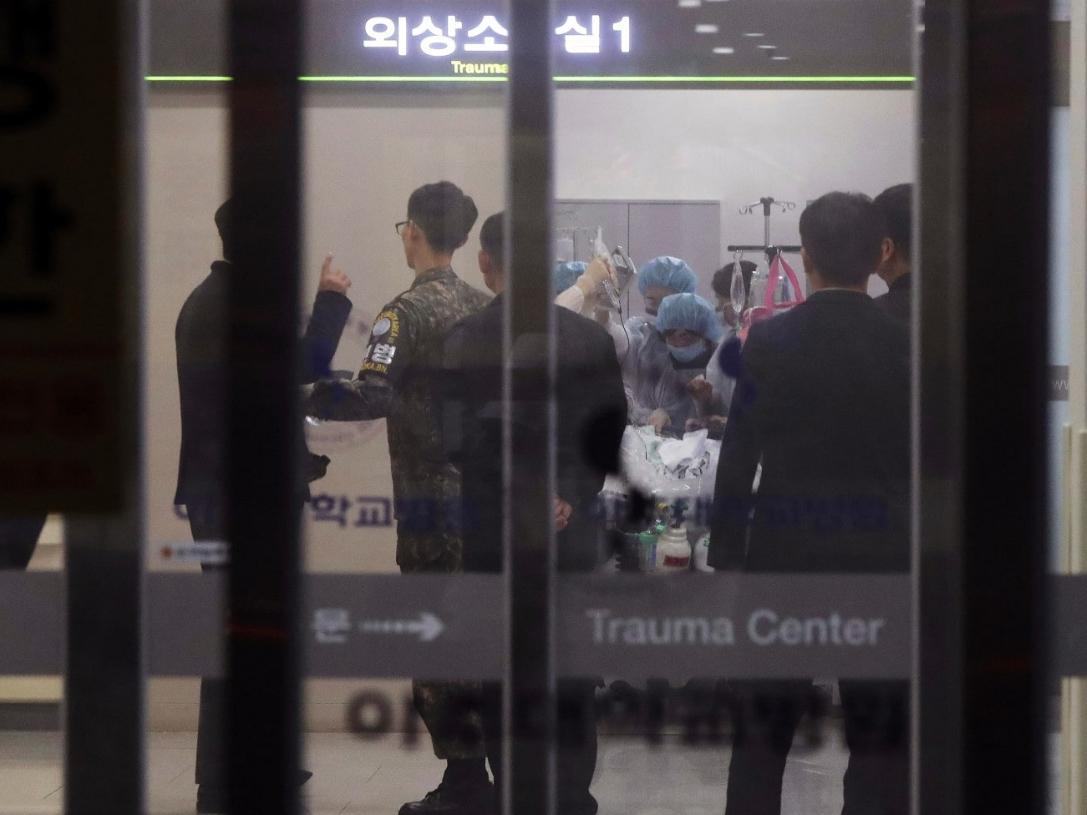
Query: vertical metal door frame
[980, 730]
[104, 677]
[264, 425]
[1073, 769]
[529, 544]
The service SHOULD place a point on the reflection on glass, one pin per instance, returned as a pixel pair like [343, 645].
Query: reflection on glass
[1068, 206]
[673, 399]
[31, 730]
[762, 411]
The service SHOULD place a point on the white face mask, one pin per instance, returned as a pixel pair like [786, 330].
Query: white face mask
[687, 353]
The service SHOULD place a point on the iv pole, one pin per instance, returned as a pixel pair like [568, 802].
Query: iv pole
[767, 247]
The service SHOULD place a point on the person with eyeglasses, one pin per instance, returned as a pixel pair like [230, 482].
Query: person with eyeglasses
[396, 383]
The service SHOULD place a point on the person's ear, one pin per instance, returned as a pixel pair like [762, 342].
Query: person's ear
[809, 267]
[887, 252]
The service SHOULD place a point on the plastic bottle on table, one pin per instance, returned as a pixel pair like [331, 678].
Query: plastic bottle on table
[648, 550]
[702, 554]
[674, 551]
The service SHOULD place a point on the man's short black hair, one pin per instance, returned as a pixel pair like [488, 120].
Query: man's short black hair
[492, 237]
[896, 205]
[842, 232]
[224, 222]
[722, 278]
[444, 213]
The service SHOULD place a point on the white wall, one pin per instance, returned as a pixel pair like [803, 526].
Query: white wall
[186, 179]
[362, 162]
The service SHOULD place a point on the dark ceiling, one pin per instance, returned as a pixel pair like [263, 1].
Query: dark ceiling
[841, 38]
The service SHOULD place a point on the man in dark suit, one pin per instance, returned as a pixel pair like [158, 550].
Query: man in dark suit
[591, 417]
[200, 338]
[823, 402]
[896, 206]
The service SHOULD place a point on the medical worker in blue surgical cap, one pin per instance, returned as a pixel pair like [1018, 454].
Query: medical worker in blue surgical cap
[658, 279]
[668, 391]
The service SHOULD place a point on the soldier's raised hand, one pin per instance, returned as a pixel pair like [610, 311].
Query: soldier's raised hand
[333, 279]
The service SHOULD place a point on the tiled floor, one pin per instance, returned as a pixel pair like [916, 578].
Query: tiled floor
[353, 777]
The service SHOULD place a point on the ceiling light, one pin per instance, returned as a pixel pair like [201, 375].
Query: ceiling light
[706, 28]
[768, 47]
[690, 3]
[755, 34]
[781, 59]
[724, 50]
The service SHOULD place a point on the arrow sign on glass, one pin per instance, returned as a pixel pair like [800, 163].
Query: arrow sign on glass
[428, 627]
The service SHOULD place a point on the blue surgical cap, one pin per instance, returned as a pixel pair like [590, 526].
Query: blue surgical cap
[566, 274]
[667, 273]
[691, 312]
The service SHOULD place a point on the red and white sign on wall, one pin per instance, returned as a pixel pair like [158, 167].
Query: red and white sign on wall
[68, 234]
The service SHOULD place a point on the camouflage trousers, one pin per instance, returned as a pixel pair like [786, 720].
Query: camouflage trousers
[433, 550]
[451, 713]
[450, 710]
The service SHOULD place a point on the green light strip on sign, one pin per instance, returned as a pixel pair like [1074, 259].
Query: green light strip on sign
[739, 79]
[674, 80]
[397, 79]
[188, 78]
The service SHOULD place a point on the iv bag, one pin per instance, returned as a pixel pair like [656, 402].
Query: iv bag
[783, 292]
[737, 291]
[624, 268]
[760, 279]
[600, 251]
[564, 249]
[757, 309]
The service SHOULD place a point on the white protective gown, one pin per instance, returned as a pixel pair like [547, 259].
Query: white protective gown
[723, 385]
[656, 382]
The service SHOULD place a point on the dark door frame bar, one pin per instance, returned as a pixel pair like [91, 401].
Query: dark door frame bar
[104, 682]
[264, 426]
[529, 462]
[981, 548]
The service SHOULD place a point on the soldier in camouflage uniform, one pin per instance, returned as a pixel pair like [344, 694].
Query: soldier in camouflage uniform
[397, 383]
